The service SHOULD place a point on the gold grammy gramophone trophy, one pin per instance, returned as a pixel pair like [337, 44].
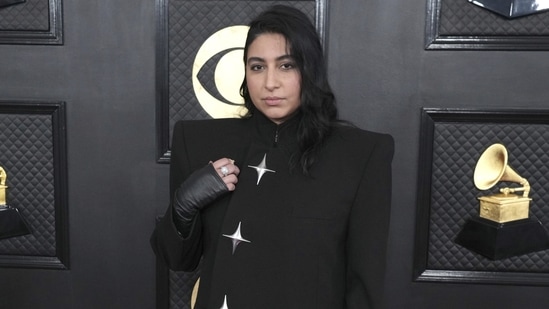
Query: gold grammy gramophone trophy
[503, 227]
[11, 221]
[505, 206]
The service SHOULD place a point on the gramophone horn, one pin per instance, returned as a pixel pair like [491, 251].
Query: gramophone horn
[492, 167]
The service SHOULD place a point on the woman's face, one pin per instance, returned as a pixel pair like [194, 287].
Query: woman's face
[273, 80]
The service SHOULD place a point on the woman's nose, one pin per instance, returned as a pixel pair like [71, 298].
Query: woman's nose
[271, 80]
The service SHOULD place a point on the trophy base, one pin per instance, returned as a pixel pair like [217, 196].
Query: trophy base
[502, 240]
[11, 223]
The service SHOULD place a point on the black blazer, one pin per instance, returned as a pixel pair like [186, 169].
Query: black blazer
[316, 241]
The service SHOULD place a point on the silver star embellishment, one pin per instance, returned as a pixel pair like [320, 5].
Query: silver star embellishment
[237, 237]
[261, 169]
[225, 306]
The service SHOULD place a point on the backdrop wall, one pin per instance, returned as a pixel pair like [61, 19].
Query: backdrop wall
[105, 72]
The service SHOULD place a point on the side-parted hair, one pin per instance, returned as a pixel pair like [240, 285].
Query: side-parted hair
[317, 111]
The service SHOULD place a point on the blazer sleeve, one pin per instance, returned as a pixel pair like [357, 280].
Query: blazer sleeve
[177, 252]
[369, 228]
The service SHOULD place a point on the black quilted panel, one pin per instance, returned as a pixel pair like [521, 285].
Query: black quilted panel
[33, 15]
[461, 18]
[181, 286]
[26, 153]
[456, 149]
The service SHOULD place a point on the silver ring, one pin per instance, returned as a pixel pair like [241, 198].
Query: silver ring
[224, 170]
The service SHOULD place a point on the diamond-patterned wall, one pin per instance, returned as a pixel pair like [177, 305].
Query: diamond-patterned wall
[30, 15]
[26, 154]
[38, 22]
[462, 18]
[456, 149]
[460, 24]
[181, 286]
[32, 153]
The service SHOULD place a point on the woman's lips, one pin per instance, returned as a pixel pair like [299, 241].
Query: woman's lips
[272, 100]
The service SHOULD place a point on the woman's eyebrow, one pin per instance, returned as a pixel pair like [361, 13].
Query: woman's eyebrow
[259, 59]
[255, 59]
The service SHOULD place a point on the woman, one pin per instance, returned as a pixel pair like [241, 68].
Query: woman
[294, 211]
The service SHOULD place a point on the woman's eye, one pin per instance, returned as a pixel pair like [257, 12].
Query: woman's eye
[256, 67]
[287, 66]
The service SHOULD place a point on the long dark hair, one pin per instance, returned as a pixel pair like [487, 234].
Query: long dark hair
[317, 110]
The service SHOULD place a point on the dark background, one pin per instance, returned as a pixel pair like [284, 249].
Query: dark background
[105, 71]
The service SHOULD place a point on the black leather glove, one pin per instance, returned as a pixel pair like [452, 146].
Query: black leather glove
[200, 189]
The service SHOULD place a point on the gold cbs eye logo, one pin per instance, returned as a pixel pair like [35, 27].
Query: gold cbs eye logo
[224, 51]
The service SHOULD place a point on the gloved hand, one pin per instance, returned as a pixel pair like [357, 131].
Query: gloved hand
[200, 189]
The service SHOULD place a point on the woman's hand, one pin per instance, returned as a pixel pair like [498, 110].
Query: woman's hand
[228, 171]
[201, 188]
